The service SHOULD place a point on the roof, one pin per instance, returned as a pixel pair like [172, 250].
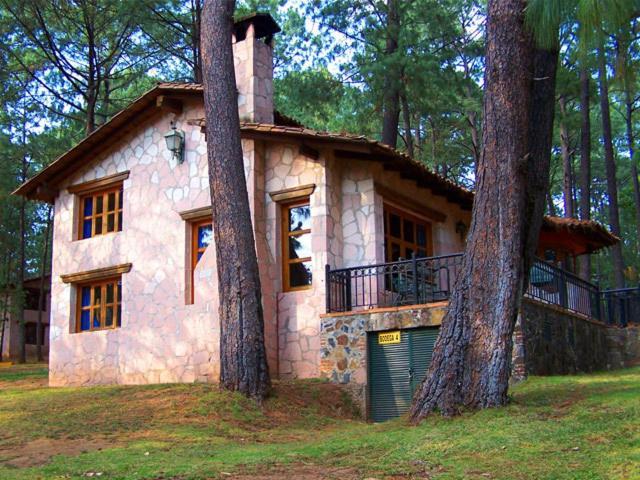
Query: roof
[587, 236]
[39, 187]
[346, 146]
[390, 157]
[42, 185]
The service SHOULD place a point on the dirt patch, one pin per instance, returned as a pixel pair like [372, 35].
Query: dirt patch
[29, 383]
[38, 452]
[299, 472]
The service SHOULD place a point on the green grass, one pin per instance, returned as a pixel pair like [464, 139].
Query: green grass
[22, 372]
[573, 427]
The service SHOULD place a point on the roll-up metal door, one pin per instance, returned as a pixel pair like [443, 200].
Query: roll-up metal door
[396, 368]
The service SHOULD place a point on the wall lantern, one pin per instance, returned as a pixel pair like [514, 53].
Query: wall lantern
[175, 142]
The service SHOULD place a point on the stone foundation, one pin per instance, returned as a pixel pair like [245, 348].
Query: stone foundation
[343, 341]
[547, 341]
[551, 341]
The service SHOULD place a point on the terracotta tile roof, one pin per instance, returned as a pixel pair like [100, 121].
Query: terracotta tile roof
[392, 158]
[593, 232]
[40, 186]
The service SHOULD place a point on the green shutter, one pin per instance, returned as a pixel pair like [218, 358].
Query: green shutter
[391, 384]
[422, 342]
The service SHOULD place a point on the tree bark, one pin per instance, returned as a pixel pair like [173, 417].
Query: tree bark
[41, 292]
[610, 167]
[243, 365]
[196, 21]
[391, 94]
[565, 147]
[471, 362]
[22, 328]
[551, 208]
[3, 321]
[406, 116]
[623, 60]
[585, 160]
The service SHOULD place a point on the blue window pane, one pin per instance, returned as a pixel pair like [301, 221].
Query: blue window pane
[86, 229]
[205, 235]
[86, 296]
[88, 206]
[84, 320]
[96, 318]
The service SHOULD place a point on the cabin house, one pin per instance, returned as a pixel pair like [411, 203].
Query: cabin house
[9, 328]
[346, 228]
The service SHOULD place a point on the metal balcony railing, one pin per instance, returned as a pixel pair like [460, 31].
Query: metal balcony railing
[431, 279]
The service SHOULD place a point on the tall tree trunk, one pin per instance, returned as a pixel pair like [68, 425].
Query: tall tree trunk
[243, 364]
[418, 142]
[406, 116]
[610, 166]
[93, 84]
[551, 208]
[42, 292]
[5, 308]
[391, 94]
[623, 60]
[3, 321]
[196, 20]
[634, 164]
[585, 160]
[471, 362]
[565, 147]
[22, 328]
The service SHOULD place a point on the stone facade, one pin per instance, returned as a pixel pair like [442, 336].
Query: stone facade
[551, 341]
[164, 337]
[557, 342]
[344, 341]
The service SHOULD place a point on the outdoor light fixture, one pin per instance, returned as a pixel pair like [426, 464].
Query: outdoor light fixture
[175, 142]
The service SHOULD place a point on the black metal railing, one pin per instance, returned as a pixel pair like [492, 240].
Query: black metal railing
[553, 285]
[621, 307]
[405, 282]
[427, 280]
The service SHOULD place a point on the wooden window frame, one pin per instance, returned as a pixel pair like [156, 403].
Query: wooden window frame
[404, 214]
[117, 189]
[195, 225]
[286, 261]
[102, 307]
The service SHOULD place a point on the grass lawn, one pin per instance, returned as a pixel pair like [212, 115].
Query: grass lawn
[578, 427]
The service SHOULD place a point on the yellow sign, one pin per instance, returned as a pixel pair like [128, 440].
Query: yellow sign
[385, 338]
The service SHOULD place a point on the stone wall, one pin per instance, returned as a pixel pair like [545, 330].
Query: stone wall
[558, 342]
[551, 341]
[343, 354]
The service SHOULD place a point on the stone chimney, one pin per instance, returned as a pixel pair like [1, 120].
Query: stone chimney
[253, 60]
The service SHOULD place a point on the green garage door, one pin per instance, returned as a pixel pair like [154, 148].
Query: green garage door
[398, 361]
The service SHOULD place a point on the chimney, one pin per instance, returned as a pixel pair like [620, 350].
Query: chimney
[253, 61]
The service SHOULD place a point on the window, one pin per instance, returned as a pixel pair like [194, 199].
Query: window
[99, 305]
[101, 212]
[32, 299]
[405, 234]
[31, 331]
[296, 245]
[201, 237]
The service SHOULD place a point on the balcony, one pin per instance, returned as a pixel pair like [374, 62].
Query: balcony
[421, 281]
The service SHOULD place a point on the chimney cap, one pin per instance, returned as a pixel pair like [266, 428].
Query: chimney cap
[263, 23]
